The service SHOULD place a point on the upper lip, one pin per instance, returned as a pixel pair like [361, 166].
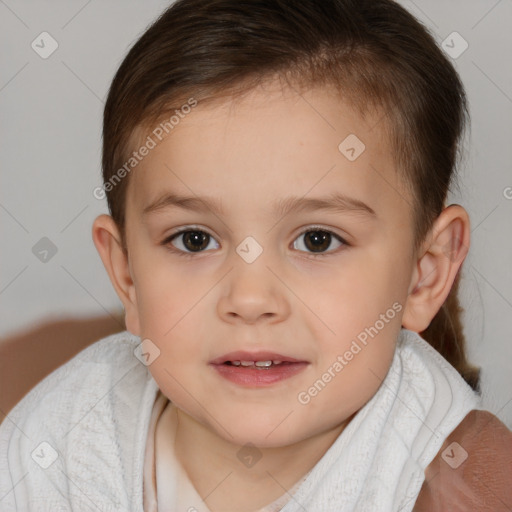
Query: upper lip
[241, 355]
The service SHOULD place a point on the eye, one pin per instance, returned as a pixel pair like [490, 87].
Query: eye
[189, 241]
[318, 239]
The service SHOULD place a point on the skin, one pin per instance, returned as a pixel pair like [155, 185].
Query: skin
[269, 145]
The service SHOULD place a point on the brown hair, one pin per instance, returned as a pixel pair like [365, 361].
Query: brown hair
[374, 52]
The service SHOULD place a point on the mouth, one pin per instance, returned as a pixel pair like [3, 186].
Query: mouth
[264, 358]
[257, 369]
[260, 365]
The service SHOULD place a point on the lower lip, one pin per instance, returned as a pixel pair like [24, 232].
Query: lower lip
[252, 377]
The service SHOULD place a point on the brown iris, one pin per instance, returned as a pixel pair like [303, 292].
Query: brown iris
[317, 241]
[198, 240]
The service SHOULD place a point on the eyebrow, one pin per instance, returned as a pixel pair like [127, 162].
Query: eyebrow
[336, 203]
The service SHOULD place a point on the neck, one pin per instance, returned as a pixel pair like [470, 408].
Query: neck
[243, 479]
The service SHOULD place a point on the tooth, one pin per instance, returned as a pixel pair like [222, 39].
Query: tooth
[235, 363]
[246, 363]
[263, 363]
[277, 362]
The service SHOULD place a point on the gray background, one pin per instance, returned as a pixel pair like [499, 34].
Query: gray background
[50, 136]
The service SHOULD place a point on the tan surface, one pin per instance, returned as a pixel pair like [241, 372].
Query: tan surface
[479, 483]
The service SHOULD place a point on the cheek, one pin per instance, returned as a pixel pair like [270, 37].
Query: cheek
[353, 300]
[182, 358]
[172, 381]
[361, 320]
[163, 296]
[360, 364]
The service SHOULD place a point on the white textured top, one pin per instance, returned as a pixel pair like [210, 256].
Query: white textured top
[77, 440]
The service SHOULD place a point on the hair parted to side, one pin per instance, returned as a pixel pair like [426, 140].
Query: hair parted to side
[374, 52]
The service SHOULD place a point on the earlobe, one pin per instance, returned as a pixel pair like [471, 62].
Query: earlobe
[436, 269]
[107, 239]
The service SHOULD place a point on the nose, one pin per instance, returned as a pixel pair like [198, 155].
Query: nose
[253, 294]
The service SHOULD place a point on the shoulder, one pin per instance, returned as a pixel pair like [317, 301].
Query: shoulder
[86, 374]
[473, 469]
[80, 422]
[105, 357]
[107, 353]
[102, 383]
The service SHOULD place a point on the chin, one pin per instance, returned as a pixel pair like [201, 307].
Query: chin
[263, 432]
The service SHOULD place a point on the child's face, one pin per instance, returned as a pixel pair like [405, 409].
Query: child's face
[197, 308]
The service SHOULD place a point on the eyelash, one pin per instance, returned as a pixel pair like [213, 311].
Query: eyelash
[167, 241]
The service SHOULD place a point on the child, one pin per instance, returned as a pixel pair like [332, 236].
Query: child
[276, 174]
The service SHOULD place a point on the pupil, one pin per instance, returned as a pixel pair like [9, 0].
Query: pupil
[190, 238]
[316, 240]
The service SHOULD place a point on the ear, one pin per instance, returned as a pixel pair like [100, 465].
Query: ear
[107, 239]
[435, 271]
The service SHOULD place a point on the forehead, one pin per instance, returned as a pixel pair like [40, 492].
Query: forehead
[266, 145]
